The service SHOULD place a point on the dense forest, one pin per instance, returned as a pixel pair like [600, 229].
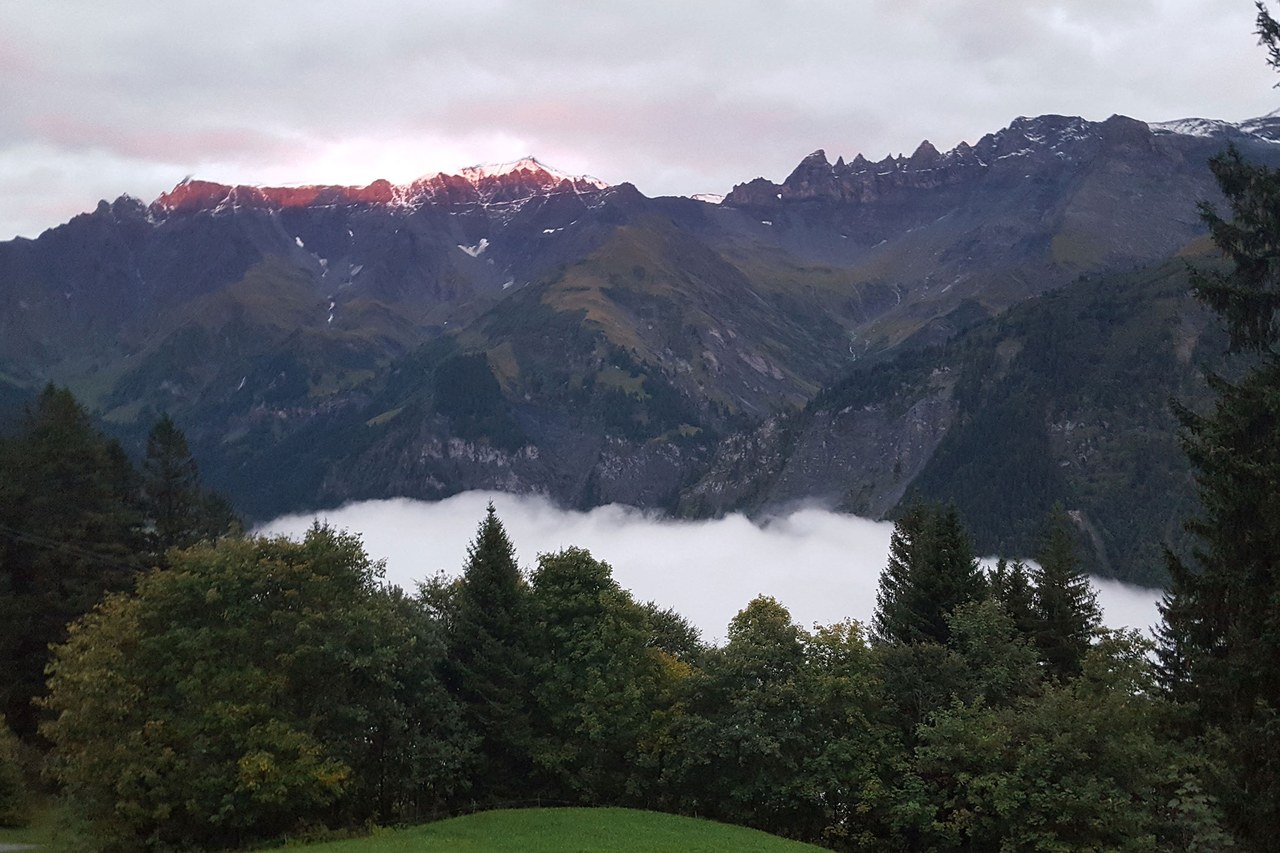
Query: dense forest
[256, 688]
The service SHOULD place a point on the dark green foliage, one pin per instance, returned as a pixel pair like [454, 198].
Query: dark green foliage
[70, 531]
[466, 392]
[931, 572]
[987, 661]
[1222, 617]
[1080, 766]
[253, 688]
[490, 665]
[259, 688]
[1065, 604]
[840, 783]
[1011, 586]
[744, 740]
[672, 633]
[1221, 638]
[13, 789]
[1247, 297]
[179, 511]
[595, 681]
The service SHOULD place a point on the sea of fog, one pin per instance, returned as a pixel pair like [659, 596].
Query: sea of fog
[823, 566]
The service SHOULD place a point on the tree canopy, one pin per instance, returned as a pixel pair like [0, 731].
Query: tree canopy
[255, 687]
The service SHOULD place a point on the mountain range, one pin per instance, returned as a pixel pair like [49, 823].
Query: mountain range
[999, 325]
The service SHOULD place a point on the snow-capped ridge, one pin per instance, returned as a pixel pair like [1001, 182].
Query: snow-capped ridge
[530, 164]
[1264, 127]
[501, 183]
[1202, 127]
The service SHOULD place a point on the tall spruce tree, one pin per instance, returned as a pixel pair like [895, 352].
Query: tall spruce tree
[1220, 643]
[1011, 585]
[70, 531]
[489, 665]
[1065, 605]
[178, 509]
[931, 572]
[170, 486]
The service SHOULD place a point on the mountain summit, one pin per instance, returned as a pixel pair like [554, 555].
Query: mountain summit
[503, 183]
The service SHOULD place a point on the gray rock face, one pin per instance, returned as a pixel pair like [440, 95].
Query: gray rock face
[858, 458]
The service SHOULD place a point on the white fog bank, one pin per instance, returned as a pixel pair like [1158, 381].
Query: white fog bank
[823, 566]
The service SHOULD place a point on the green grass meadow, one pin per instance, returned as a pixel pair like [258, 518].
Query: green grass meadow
[567, 830]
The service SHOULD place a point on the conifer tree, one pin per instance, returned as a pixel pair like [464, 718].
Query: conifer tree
[1066, 612]
[489, 665]
[1220, 644]
[170, 486]
[70, 531]
[1011, 586]
[931, 571]
[178, 509]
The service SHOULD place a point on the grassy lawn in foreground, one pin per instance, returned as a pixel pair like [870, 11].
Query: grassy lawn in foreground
[39, 831]
[560, 830]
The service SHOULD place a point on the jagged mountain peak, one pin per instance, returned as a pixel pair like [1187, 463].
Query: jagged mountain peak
[482, 184]
[529, 165]
[1051, 140]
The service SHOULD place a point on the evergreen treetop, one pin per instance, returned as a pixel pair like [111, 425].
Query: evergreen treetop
[931, 571]
[1066, 608]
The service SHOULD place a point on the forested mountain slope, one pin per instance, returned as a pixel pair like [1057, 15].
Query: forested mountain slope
[1062, 399]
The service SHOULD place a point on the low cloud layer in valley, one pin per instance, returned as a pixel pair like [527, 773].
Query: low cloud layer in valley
[823, 566]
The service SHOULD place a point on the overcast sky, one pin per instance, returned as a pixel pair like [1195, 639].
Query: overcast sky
[823, 566]
[676, 96]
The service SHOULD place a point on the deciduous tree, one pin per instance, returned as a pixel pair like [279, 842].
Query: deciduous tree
[254, 688]
[596, 680]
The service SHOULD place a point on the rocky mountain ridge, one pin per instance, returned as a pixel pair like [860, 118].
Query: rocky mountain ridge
[499, 184]
[517, 328]
[1027, 143]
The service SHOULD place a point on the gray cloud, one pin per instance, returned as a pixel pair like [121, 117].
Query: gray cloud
[823, 566]
[676, 97]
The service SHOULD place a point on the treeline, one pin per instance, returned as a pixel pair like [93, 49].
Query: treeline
[78, 519]
[255, 688]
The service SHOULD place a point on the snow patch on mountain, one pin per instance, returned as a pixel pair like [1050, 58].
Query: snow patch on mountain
[478, 249]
